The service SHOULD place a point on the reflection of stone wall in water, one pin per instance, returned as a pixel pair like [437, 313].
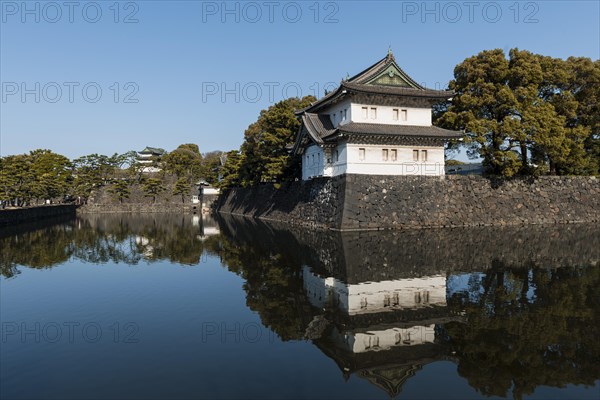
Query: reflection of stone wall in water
[540, 320]
[383, 255]
[20, 215]
[394, 202]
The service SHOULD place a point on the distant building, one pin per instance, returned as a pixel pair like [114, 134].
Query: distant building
[375, 123]
[149, 158]
[465, 169]
[208, 194]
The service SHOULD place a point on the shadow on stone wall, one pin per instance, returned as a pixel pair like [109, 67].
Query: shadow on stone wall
[365, 202]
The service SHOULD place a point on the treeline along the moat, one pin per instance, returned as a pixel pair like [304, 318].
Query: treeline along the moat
[42, 176]
[520, 309]
[523, 114]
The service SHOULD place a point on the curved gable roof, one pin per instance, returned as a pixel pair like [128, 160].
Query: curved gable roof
[388, 63]
[385, 77]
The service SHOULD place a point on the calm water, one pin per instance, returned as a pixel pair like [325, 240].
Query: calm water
[180, 307]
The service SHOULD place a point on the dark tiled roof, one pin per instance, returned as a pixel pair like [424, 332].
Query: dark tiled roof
[380, 66]
[322, 100]
[319, 126]
[397, 90]
[357, 128]
[152, 150]
[377, 89]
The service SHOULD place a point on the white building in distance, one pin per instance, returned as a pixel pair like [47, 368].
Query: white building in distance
[378, 122]
[149, 159]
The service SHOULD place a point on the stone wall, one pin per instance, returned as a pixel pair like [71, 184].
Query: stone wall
[102, 201]
[359, 202]
[29, 214]
[314, 203]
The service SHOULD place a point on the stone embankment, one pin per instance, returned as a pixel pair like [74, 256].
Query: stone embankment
[360, 202]
[27, 214]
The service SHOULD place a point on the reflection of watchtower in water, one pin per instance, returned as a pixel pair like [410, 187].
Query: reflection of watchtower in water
[384, 331]
[384, 305]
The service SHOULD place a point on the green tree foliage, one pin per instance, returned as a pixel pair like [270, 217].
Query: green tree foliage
[211, 166]
[120, 190]
[153, 187]
[184, 162]
[16, 177]
[264, 154]
[93, 171]
[527, 114]
[230, 171]
[51, 174]
[96, 170]
[38, 176]
[182, 188]
[454, 162]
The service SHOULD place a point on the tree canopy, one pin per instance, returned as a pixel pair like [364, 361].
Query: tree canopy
[264, 154]
[528, 113]
[42, 175]
[38, 176]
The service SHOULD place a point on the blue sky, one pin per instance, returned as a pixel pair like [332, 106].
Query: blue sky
[173, 72]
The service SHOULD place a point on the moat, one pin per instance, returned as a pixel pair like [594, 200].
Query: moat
[183, 306]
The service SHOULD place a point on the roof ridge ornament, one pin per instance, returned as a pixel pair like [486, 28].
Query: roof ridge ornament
[390, 55]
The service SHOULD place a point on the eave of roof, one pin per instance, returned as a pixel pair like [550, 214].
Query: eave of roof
[359, 128]
[346, 88]
[397, 91]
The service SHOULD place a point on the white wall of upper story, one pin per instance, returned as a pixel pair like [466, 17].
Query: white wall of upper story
[373, 159]
[390, 115]
[346, 111]
[313, 162]
[381, 159]
[340, 113]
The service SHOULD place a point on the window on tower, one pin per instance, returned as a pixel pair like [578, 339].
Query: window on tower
[373, 112]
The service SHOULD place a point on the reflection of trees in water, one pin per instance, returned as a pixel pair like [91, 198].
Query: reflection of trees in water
[273, 278]
[41, 248]
[529, 327]
[526, 322]
[103, 238]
